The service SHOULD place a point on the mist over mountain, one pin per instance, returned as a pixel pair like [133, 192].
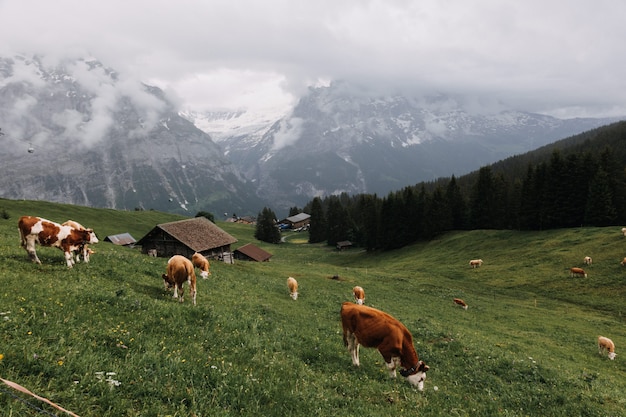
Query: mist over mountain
[339, 139]
[100, 140]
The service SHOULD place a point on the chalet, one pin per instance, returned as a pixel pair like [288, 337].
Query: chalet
[297, 221]
[250, 252]
[184, 237]
[122, 239]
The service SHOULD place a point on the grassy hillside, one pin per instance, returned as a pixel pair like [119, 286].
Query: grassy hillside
[526, 346]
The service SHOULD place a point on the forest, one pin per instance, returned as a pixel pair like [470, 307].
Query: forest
[576, 182]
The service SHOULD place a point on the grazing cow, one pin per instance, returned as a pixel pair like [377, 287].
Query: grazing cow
[84, 250]
[37, 230]
[587, 260]
[199, 261]
[293, 287]
[577, 272]
[179, 271]
[623, 263]
[606, 345]
[460, 302]
[359, 295]
[623, 231]
[369, 327]
[475, 263]
[152, 252]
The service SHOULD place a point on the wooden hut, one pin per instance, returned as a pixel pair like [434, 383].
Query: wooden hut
[250, 252]
[184, 237]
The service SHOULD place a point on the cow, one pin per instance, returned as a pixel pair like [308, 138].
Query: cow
[84, 250]
[460, 302]
[577, 272]
[623, 231]
[370, 327]
[179, 271]
[623, 263]
[293, 287]
[199, 261]
[475, 263]
[606, 345]
[35, 230]
[587, 260]
[359, 295]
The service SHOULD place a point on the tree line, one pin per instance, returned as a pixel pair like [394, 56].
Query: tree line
[581, 185]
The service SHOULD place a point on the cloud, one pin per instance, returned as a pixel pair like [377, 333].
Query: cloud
[288, 133]
[544, 56]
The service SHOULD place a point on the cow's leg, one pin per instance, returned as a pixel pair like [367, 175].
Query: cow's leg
[353, 347]
[175, 291]
[392, 365]
[69, 259]
[30, 248]
[182, 290]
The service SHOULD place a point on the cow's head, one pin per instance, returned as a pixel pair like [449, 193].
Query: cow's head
[612, 355]
[167, 281]
[416, 375]
[91, 236]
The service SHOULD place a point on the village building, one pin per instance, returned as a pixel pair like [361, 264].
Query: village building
[298, 221]
[185, 237]
[344, 244]
[122, 239]
[250, 252]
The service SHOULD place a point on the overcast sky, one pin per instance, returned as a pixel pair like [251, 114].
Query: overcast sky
[563, 57]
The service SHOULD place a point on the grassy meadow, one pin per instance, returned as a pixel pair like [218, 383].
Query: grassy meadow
[106, 339]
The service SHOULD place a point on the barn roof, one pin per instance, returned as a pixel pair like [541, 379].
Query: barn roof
[254, 252]
[121, 239]
[198, 233]
[298, 217]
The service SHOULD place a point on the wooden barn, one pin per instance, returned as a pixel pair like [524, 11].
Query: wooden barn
[122, 239]
[250, 252]
[297, 221]
[184, 237]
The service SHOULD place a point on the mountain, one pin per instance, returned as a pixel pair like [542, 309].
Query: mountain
[338, 139]
[79, 133]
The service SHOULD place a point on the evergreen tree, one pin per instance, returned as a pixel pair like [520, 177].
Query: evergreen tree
[456, 204]
[266, 229]
[367, 209]
[317, 226]
[293, 211]
[482, 200]
[338, 222]
[206, 214]
[600, 209]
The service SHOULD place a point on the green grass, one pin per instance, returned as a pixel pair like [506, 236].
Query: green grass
[525, 347]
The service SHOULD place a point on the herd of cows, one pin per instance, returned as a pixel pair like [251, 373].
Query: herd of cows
[362, 325]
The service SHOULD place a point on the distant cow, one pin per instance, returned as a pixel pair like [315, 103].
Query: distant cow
[623, 231]
[35, 230]
[179, 271]
[199, 261]
[475, 263]
[293, 287]
[84, 250]
[623, 263]
[359, 295]
[606, 345]
[587, 260]
[370, 327]
[460, 302]
[577, 272]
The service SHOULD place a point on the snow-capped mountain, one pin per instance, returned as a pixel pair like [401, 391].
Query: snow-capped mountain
[80, 133]
[337, 140]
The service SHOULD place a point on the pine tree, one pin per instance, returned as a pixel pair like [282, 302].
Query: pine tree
[317, 228]
[266, 229]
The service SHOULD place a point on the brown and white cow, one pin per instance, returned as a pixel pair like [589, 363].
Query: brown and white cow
[460, 302]
[292, 284]
[35, 230]
[359, 295]
[606, 345]
[577, 272]
[476, 263]
[370, 327]
[179, 271]
[84, 249]
[199, 261]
